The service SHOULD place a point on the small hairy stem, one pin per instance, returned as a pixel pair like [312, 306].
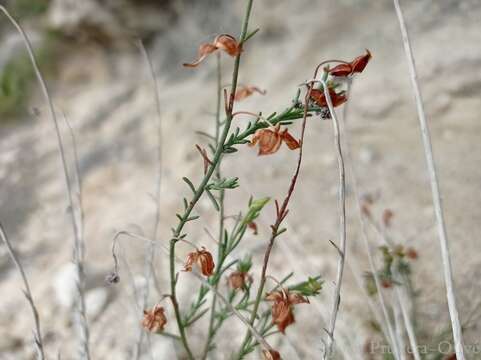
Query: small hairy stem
[28, 294]
[201, 188]
[78, 241]
[342, 223]
[437, 203]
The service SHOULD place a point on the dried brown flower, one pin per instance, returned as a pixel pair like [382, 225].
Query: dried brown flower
[246, 91]
[411, 253]
[223, 42]
[319, 97]
[387, 216]
[270, 140]
[271, 355]
[355, 66]
[203, 259]
[386, 283]
[253, 226]
[282, 314]
[238, 279]
[154, 319]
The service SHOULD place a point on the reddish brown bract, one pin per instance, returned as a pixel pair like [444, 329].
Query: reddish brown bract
[319, 97]
[411, 253]
[246, 91]
[238, 280]
[355, 66]
[270, 140]
[223, 42]
[154, 319]
[282, 314]
[271, 355]
[203, 259]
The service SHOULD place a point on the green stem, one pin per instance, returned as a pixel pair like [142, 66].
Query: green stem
[201, 188]
[221, 247]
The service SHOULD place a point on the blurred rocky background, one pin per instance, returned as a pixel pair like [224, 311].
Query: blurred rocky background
[88, 52]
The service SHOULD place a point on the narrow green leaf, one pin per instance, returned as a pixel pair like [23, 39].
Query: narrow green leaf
[212, 199]
[188, 182]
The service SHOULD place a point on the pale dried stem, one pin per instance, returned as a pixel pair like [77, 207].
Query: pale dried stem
[342, 224]
[390, 336]
[28, 294]
[149, 271]
[436, 194]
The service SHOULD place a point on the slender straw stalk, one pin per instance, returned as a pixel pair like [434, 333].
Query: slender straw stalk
[149, 271]
[342, 223]
[37, 333]
[437, 202]
[78, 239]
[389, 328]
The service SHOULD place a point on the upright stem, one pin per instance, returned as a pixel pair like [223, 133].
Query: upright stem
[201, 188]
[220, 248]
[388, 326]
[149, 271]
[342, 223]
[438, 208]
[28, 294]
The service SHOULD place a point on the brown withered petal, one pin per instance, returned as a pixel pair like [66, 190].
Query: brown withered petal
[154, 319]
[227, 43]
[203, 259]
[204, 51]
[282, 314]
[289, 140]
[295, 298]
[269, 141]
[359, 63]
[271, 355]
[411, 253]
[319, 97]
[238, 280]
[253, 226]
[341, 70]
[386, 284]
[206, 262]
[191, 260]
[387, 216]
[247, 91]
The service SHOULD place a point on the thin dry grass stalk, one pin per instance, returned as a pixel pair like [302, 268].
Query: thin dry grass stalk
[78, 238]
[28, 294]
[149, 271]
[437, 203]
[342, 223]
[388, 325]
